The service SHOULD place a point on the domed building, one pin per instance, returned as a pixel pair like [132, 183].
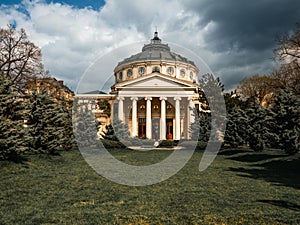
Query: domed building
[155, 92]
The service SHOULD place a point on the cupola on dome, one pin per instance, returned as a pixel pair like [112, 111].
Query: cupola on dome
[156, 57]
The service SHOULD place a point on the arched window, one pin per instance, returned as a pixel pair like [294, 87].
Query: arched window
[191, 75]
[170, 70]
[141, 70]
[155, 69]
[121, 75]
[182, 72]
[129, 73]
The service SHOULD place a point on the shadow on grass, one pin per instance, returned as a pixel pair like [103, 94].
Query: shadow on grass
[230, 152]
[255, 157]
[283, 204]
[282, 171]
[17, 159]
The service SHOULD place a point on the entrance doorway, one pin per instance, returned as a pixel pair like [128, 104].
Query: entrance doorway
[169, 134]
[155, 128]
[142, 127]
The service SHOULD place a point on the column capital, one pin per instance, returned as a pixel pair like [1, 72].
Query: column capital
[177, 98]
[134, 98]
[163, 98]
[148, 98]
[191, 103]
[120, 98]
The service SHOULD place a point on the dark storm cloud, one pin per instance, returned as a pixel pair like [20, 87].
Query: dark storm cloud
[252, 25]
[244, 33]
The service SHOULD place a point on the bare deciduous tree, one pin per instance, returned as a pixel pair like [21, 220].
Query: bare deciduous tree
[20, 59]
[289, 46]
[288, 76]
[256, 86]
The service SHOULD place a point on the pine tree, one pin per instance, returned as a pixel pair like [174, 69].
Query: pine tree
[286, 109]
[258, 132]
[12, 131]
[49, 124]
[204, 127]
[121, 130]
[85, 125]
[64, 110]
[213, 89]
[201, 127]
[194, 130]
[236, 128]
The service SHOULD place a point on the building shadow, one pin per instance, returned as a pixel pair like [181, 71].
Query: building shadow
[283, 204]
[275, 168]
[256, 157]
[230, 152]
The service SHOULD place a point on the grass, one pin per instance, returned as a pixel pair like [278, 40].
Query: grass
[240, 187]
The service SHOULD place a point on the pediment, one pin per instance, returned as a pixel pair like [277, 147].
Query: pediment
[156, 81]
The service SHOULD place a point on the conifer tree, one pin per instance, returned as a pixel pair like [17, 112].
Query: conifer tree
[204, 127]
[194, 129]
[258, 132]
[12, 131]
[286, 109]
[47, 124]
[236, 128]
[64, 123]
[85, 125]
[213, 89]
[121, 130]
[201, 127]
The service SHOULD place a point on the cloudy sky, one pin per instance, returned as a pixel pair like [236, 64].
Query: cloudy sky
[235, 38]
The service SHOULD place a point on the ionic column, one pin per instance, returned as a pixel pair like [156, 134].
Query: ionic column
[134, 117]
[111, 103]
[177, 118]
[121, 108]
[163, 125]
[191, 110]
[190, 116]
[148, 118]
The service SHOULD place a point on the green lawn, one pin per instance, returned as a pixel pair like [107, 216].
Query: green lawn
[240, 187]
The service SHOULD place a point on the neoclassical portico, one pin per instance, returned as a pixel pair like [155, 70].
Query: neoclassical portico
[156, 107]
[176, 124]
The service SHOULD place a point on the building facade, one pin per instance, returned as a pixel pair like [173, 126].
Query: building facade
[54, 88]
[155, 93]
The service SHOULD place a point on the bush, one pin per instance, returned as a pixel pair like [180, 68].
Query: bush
[188, 143]
[201, 145]
[110, 144]
[166, 144]
[138, 141]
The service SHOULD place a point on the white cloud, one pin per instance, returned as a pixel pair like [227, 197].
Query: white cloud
[71, 38]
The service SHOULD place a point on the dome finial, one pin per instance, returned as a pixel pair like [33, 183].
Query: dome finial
[155, 33]
[156, 38]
